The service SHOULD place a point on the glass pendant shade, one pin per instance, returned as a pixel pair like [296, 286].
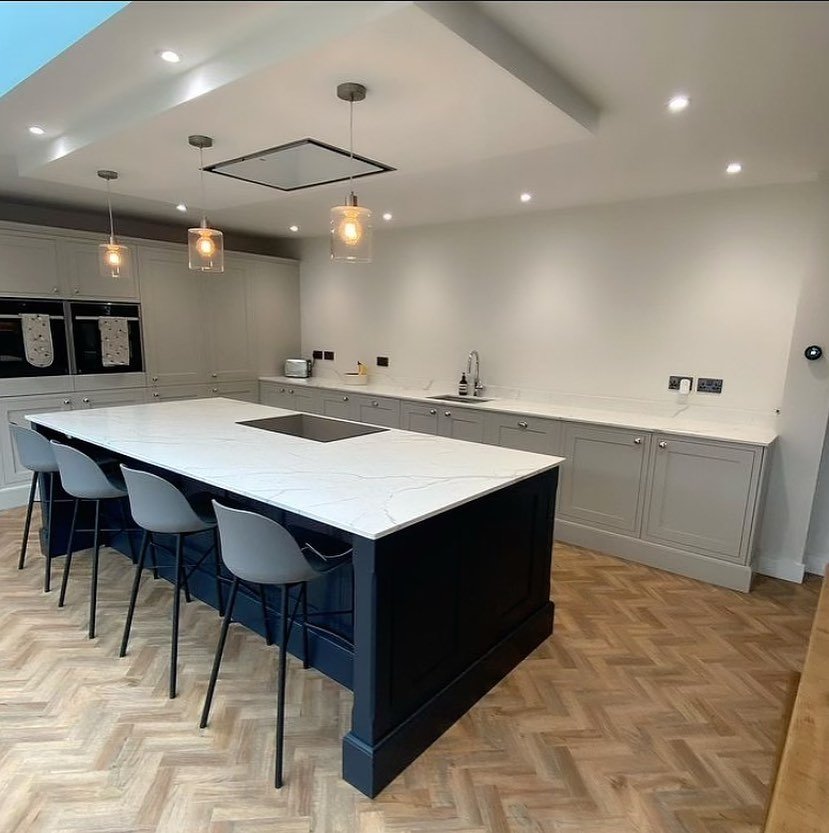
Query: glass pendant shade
[114, 260]
[205, 248]
[351, 232]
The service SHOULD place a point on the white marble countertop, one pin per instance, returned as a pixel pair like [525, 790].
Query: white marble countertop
[370, 485]
[682, 425]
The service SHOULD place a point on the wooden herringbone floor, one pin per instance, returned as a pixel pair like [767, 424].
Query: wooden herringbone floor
[654, 708]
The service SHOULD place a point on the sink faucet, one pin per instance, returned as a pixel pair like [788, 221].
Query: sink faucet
[477, 384]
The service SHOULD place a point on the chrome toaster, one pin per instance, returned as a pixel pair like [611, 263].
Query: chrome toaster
[298, 368]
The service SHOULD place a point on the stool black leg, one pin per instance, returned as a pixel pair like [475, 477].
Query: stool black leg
[184, 580]
[217, 660]
[145, 542]
[265, 618]
[176, 610]
[22, 560]
[304, 590]
[280, 701]
[154, 560]
[123, 513]
[217, 562]
[68, 563]
[50, 506]
[96, 549]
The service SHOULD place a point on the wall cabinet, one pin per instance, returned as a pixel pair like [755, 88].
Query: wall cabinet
[81, 277]
[701, 496]
[417, 416]
[603, 476]
[524, 433]
[29, 265]
[461, 424]
[378, 410]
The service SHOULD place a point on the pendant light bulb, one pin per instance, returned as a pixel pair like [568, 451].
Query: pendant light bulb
[113, 259]
[205, 245]
[350, 224]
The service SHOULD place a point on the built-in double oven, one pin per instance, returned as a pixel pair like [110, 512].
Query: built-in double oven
[60, 338]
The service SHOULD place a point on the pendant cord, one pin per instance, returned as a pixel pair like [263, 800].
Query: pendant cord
[111, 222]
[203, 202]
[351, 145]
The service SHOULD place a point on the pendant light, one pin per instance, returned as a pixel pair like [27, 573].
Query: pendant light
[113, 259]
[205, 245]
[351, 223]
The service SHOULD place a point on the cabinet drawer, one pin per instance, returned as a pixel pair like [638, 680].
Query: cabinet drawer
[525, 433]
[172, 393]
[702, 496]
[461, 424]
[244, 391]
[378, 410]
[339, 405]
[415, 416]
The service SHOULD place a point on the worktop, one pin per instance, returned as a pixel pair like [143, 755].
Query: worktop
[370, 486]
[681, 424]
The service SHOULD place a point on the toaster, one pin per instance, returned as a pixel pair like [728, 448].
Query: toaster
[298, 368]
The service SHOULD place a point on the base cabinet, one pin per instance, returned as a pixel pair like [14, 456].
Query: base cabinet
[461, 424]
[701, 496]
[378, 410]
[290, 397]
[339, 405]
[174, 393]
[604, 476]
[524, 433]
[243, 391]
[13, 411]
[415, 416]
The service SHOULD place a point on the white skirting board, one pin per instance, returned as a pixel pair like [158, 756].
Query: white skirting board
[14, 496]
[712, 570]
[816, 563]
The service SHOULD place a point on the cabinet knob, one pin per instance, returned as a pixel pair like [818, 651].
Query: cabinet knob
[54, 290]
[432, 411]
[214, 375]
[637, 441]
[291, 390]
[155, 378]
[86, 400]
[447, 413]
[375, 404]
[76, 291]
[156, 394]
[215, 390]
[67, 401]
[523, 424]
[345, 399]
[282, 390]
[663, 444]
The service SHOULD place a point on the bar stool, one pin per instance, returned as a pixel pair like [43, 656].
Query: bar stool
[36, 455]
[260, 551]
[83, 479]
[158, 507]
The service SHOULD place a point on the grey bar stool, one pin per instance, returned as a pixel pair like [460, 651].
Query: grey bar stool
[83, 479]
[260, 551]
[35, 453]
[158, 507]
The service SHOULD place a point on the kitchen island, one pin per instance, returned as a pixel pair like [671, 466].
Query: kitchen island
[452, 550]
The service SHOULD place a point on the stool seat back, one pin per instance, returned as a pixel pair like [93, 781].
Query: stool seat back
[82, 477]
[33, 449]
[158, 506]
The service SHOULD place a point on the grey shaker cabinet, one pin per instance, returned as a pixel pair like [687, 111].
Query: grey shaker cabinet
[290, 397]
[229, 322]
[524, 433]
[604, 476]
[29, 265]
[338, 404]
[418, 416]
[82, 278]
[377, 410]
[461, 424]
[702, 496]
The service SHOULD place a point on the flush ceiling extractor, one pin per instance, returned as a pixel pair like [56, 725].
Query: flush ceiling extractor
[306, 163]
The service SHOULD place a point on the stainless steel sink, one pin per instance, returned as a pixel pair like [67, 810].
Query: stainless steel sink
[467, 400]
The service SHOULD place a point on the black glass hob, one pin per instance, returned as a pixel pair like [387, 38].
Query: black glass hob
[308, 427]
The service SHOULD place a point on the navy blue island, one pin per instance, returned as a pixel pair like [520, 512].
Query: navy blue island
[449, 588]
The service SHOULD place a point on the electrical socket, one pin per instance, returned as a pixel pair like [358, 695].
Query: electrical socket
[382, 361]
[317, 354]
[673, 382]
[328, 355]
[708, 385]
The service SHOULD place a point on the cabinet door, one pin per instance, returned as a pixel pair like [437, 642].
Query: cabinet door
[378, 410]
[604, 472]
[14, 410]
[175, 343]
[244, 391]
[525, 433]
[108, 398]
[305, 400]
[337, 405]
[702, 495]
[82, 279]
[461, 424]
[28, 265]
[230, 326]
[415, 416]
[275, 395]
[173, 393]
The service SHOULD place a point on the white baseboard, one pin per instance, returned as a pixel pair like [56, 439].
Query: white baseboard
[785, 568]
[13, 496]
[817, 562]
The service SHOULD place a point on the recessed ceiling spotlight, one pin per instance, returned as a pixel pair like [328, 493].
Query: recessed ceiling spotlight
[526, 196]
[733, 167]
[181, 207]
[293, 228]
[387, 216]
[677, 103]
[169, 56]
[36, 131]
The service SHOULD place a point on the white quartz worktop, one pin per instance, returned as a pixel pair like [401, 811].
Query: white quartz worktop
[370, 485]
[681, 424]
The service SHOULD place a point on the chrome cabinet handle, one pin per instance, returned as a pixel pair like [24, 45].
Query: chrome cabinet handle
[86, 399]
[67, 401]
[663, 444]
[523, 424]
[345, 399]
[637, 441]
[76, 291]
[155, 378]
[447, 413]
[214, 375]
[282, 390]
[156, 394]
[375, 404]
[291, 391]
[215, 390]
[54, 290]
[432, 411]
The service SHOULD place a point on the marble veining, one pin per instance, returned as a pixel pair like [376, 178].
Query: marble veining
[370, 486]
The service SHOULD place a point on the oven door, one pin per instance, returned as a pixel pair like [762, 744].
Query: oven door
[106, 338]
[49, 355]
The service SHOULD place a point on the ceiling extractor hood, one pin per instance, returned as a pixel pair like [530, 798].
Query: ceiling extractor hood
[305, 163]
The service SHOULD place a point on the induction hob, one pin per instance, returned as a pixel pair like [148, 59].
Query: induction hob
[308, 427]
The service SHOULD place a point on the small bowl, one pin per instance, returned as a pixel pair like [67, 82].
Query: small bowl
[355, 378]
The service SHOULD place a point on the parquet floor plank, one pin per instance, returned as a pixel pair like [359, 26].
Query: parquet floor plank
[654, 708]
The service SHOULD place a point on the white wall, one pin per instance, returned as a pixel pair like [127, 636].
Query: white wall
[609, 301]
[605, 301]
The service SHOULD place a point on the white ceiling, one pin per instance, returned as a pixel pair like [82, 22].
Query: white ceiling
[466, 135]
